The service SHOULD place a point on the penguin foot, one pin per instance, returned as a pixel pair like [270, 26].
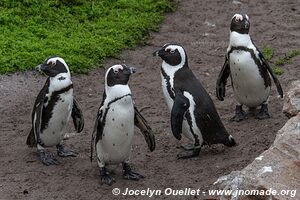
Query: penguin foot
[263, 112]
[129, 174]
[188, 147]
[64, 152]
[46, 158]
[239, 114]
[105, 177]
[189, 154]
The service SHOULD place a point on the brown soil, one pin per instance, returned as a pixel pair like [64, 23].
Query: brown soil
[22, 176]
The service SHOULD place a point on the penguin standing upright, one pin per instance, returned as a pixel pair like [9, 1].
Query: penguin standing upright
[114, 127]
[248, 69]
[192, 110]
[52, 109]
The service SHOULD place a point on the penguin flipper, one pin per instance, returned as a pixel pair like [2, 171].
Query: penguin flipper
[222, 79]
[31, 142]
[180, 106]
[77, 116]
[145, 129]
[268, 67]
[34, 136]
[97, 133]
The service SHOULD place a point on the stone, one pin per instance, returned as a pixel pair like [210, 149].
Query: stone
[291, 105]
[275, 170]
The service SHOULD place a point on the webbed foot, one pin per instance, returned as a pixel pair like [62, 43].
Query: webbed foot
[105, 177]
[64, 152]
[189, 153]
[46, 158]
[263, 113]
[239, 114]
[129, 174]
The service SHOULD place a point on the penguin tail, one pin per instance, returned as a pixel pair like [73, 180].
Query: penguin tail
[31, 139]
[230, 141]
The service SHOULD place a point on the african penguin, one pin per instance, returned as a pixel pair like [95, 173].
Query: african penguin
[248, 69]
[193, 112]
[52, 109]
[114, 126]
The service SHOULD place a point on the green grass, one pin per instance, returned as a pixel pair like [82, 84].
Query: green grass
[83, 32]
[268, 52]
[280, 61]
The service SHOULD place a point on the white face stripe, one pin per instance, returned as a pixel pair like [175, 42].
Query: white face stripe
[55, 59]
[238, 17]
[115, 68]
[180, 49]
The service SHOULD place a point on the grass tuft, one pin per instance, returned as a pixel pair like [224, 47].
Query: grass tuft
[83, 32]
[268, 52]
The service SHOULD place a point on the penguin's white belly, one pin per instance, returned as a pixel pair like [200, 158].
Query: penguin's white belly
[115, 145]
[54, 132]
[248, 85]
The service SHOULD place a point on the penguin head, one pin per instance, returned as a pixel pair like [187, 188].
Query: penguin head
[173, 54]
[118, 75]
[53, 66]
[240, 23]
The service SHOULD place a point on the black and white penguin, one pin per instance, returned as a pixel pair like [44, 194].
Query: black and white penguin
[114, 126]
[193, 112]
[248, 69]
[52, 109]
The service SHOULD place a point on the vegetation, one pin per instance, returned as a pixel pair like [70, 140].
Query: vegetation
[83, 32]
[280, 61]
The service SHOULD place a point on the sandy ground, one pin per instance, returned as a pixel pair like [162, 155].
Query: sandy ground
[22, 176]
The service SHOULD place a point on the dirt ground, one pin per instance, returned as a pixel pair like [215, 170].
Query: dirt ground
[22, 176]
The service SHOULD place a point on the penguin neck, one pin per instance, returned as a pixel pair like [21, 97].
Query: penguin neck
[60, 81]
[237, 39]
[116, 91]
[170, 70]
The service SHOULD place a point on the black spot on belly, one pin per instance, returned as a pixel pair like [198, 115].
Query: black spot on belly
[103, 135]
[122, 124]
[246, 96]
[234, 63]
[239, 69]
[63, 123]
[235, 74]
[114, 144]
[126, 134]
[113, 110]
[63, 101]
[113, 119]
[53, 133]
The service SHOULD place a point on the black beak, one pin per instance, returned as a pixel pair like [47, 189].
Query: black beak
[132, 70]
[39, 67]
[157, 53]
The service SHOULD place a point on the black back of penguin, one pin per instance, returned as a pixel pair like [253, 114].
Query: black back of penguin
[205, 113]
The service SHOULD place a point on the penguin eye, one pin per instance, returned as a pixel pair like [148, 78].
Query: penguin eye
[116, 71]
[51, 63]
[172, 51]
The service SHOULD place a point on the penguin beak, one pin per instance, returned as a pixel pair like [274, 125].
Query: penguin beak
[132, 70]
[246, 24]
[158, 52]
[39, 67]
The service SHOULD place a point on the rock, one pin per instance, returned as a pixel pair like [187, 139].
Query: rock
[275, 174]
[291, 105]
